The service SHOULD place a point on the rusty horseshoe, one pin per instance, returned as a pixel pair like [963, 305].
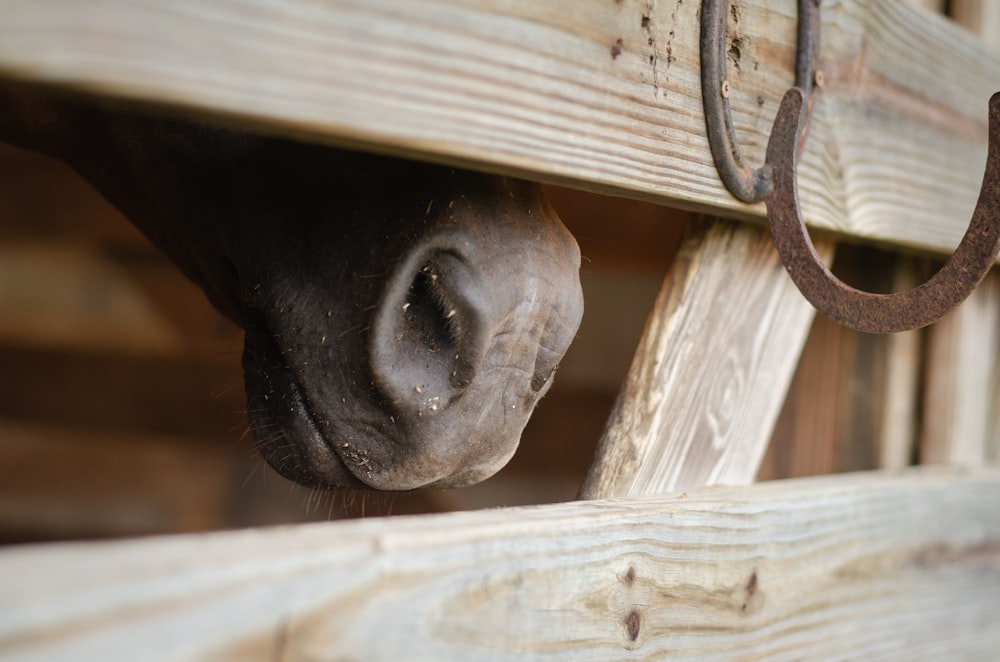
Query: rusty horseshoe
[775, 183]
[864, 311]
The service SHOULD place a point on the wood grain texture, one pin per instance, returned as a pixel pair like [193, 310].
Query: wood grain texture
[864, 566]
[598, 95]
[711, 371]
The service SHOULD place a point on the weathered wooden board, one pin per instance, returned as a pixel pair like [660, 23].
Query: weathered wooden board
[863, 566]
[601, 95]
[711, 371]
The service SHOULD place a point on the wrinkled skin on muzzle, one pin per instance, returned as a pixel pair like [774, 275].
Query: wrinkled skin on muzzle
[402, 319]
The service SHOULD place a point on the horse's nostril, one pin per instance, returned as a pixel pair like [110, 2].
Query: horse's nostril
[430, 321]
[429, 332]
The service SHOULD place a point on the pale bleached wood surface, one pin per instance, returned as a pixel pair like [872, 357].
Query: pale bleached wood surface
[711, 371]
[866, 566]
[600, 95]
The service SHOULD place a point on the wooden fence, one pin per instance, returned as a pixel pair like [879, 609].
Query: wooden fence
[602, 96]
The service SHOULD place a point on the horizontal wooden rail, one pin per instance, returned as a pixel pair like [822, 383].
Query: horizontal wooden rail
[599, 95]
[864, 566]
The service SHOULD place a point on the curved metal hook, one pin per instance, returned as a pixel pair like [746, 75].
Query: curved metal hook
[864, 311]
[743, 182]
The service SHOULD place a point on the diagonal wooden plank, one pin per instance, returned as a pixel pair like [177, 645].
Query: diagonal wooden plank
[868, 566]
[599, 95]
[711, 371]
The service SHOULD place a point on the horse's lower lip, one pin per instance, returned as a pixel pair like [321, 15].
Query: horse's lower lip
[286, 432]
